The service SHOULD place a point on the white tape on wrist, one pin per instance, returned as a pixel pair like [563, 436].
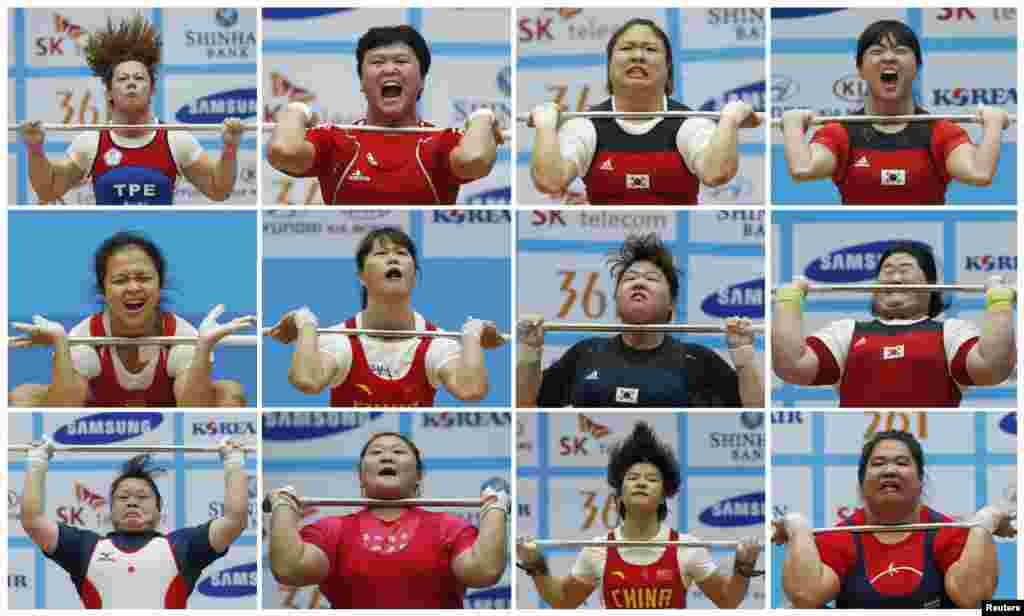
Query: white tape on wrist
[303, 107]
[742, 356]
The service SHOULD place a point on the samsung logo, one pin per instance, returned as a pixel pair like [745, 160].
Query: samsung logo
[496, 598]
[214, 108]
[742, 510]
[741, 300]
[281, 14]
[1008, 423]
[497, 196]
[302, 426]
[237, 581]
[801, 13]
[106, 428]
[852, 263]
[751, 93]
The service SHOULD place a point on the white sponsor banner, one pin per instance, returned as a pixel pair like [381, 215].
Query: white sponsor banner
[323, 233]
[718, 27]
[728, 226]
[583, 439]
[726, 439]
[939, 433]
[599, 225]
[467, 233]
[210, 35]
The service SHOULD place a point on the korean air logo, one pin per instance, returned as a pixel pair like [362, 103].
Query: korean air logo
[742, 510]
[851, 263]
[237, 581]
[1008, 423]
[303, 426]
[107, 428]
[991, 263]
[751, 93]
[214, 108]
[745, 299]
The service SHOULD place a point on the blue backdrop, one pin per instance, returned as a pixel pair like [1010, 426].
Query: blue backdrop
[970, 57]
[309, 260]
[211, 259]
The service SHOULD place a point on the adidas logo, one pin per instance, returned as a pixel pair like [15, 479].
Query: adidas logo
[860, 342]
[591, 377]
[607, 165]
[862, 162]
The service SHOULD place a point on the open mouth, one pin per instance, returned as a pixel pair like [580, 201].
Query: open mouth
[134, 306]
[388, 472]
[391, 90]
[891, 486]
[890, 77]
[393, 273]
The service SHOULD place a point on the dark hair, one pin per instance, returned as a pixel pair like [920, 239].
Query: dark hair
[134, 39]
[140, 467]
[643, 446]
[391, 234]
[639, 21]
[647, 247]
[925, 258]
[383, 36]
[878, 31]
[906, 438]
[412, 446]
[119, 241]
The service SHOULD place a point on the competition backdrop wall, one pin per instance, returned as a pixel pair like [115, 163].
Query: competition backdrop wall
[309, 260]
[970, 58]
[78, 487]
[208, 74]
[844, 247]
[563, 492]
[309, 56]
[719, 56]
[563, 275]
[211, 259]
[970, 462]
[318, 454]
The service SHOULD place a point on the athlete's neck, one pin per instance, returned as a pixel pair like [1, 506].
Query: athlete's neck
[640, 527]
[388, 514]
[374, 118]
[127, 117]
[900, 107]
[389, 315]
[643, 341]
[150, 328]
[894, 514]
[639, 101]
